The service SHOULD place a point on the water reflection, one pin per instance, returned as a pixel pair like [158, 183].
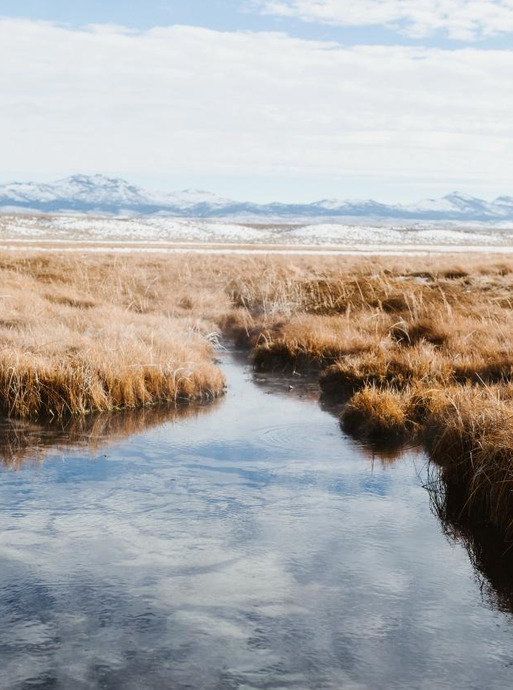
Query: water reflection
[387, 454]
[252, 548]
[22, 441]
[489, 552]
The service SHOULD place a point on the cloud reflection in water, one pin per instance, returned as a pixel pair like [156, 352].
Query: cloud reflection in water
[253, 547]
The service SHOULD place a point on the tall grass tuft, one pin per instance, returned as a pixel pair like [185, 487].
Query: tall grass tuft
[96, 336]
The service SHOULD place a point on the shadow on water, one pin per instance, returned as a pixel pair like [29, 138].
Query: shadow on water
[490, 553]
[23, 441]
[387, 453]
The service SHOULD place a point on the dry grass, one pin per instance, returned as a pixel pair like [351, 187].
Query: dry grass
[375, 414]
[471, 439]
[79, 336]
[422, 351]
[423, 346]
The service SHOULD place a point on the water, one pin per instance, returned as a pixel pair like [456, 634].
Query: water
[247, 545]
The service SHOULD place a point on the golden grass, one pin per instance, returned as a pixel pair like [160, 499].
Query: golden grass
[471, 438]
[79, 336]
[375, 414]
[421, 346]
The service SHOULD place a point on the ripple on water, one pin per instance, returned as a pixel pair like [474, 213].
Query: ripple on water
[252, 547]
[285, 437]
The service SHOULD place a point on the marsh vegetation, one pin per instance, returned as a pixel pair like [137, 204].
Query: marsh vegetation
[79, 337]
[417, 348]
[415, 351]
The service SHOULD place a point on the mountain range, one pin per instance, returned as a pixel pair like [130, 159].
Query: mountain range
[114, 196]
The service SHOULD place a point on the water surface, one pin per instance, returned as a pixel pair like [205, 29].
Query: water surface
[251, 545]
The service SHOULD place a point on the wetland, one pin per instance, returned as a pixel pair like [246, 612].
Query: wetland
[249, 543]
[327, 505]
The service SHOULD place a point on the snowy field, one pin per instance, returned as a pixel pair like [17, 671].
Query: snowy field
[166, 234]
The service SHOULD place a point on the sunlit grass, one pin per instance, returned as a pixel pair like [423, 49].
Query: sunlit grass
[417, 347]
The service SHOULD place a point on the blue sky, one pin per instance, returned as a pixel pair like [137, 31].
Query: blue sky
[262, 99]
[224, 15]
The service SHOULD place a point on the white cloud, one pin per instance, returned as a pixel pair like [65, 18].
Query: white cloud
[460, 19]
[186, 100]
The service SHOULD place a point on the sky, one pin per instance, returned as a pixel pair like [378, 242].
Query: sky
[289, 100]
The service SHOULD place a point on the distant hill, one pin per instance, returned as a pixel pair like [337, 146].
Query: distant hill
[107, 195]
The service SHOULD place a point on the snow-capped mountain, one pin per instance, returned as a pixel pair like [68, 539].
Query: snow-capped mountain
[97, 193]
[88, 189]
[106, 195]
[457, 205]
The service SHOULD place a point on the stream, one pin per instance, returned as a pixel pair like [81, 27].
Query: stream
[246, 545]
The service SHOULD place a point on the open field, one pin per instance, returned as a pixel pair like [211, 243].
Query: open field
[172, 234]
[77, 338]
[416, 348]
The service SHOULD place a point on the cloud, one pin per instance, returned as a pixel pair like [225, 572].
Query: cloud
[187, 100]
[463, 20]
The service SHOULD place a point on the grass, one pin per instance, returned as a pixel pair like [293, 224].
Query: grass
[416, 347]
[377, 414]
[471, 439]
[80, 336]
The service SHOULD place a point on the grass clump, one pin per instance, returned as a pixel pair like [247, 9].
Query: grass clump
[470, 438]
[378, 415]
[387, 367]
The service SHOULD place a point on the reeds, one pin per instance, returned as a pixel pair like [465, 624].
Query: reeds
[422, 352]
[93, 336]
[418, 347]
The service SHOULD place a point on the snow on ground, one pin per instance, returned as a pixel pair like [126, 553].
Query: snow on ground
[147, 230]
